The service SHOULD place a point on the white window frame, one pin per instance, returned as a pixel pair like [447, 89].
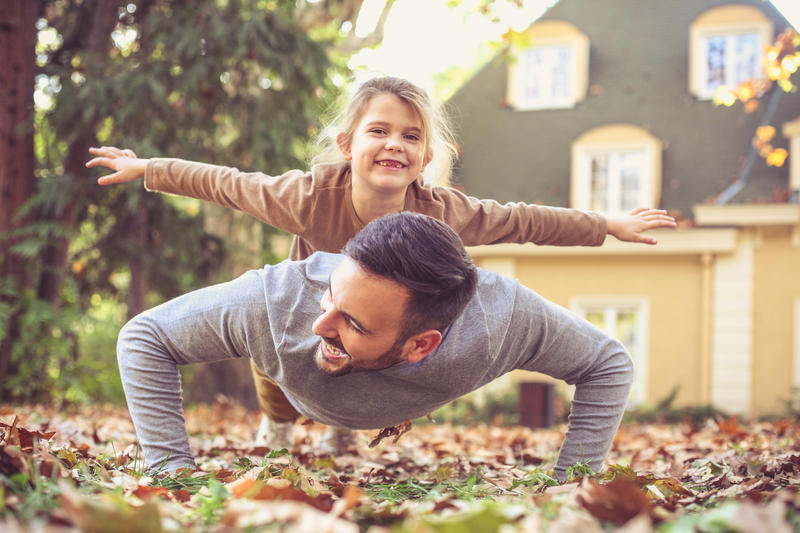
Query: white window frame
[724, 21]
[615, 139]
[791, 130]
[640, 350]
[550, 35]
[614, 186]
[547, 100]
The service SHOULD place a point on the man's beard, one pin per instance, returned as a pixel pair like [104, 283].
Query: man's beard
[390, 357]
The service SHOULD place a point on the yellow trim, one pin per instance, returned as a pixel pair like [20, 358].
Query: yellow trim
[670, 242]
[552, 33]
[747, 215]
[732, 18]
[614, 137]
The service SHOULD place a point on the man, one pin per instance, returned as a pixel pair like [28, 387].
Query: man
[407, 324]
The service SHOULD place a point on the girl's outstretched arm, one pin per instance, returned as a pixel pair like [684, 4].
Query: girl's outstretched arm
[631, 226]
[126, 165]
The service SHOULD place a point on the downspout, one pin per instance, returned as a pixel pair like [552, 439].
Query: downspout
[744, 175]
[706, 262]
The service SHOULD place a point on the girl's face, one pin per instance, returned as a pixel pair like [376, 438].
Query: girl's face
[386, 150]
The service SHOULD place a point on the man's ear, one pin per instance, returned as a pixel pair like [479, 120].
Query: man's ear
[344, 146]
[422, 344]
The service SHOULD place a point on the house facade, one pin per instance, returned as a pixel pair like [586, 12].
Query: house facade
[611, 108]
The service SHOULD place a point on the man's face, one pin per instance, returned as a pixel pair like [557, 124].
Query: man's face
[360, 323]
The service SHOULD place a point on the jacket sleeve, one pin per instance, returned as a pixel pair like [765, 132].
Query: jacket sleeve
[284, 201]
[489, 222]
[544, 337]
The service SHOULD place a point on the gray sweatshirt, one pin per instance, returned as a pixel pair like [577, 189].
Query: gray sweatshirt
[267, 315]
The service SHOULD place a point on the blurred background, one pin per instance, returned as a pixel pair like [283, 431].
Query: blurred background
[685, 105]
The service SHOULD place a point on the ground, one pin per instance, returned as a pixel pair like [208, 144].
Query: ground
[78, 469]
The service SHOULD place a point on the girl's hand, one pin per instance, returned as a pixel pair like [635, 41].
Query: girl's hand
[630, 227]
[127, 166]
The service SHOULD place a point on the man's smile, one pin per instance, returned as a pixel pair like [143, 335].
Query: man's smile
[331, 352]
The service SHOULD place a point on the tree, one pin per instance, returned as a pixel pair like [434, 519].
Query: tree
[238, 82]
[17, 183]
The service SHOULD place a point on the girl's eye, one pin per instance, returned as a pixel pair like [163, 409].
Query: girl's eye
[412, 137]
[379, 131]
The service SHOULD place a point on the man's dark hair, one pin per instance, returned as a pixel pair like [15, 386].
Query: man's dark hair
[424, 255]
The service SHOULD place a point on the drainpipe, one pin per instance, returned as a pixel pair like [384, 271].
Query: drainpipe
[706, 262]
[744, 175]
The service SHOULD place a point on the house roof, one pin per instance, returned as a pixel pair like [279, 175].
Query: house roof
[638, 74]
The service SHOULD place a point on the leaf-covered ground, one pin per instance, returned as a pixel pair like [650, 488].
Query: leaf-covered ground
[80, 471]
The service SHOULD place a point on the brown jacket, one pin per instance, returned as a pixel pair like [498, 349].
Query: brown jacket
[316, 206]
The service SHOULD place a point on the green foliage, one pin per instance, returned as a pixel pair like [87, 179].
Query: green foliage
[498, 407]
[469, 488]
[238, 82]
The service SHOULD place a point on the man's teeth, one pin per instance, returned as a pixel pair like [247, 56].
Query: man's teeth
[334, 349]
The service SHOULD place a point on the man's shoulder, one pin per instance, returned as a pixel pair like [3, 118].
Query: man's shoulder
[316, 268]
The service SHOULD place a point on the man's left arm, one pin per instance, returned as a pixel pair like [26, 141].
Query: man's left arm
[556, 342]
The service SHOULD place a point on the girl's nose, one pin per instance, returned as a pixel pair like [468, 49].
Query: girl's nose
[393, 143]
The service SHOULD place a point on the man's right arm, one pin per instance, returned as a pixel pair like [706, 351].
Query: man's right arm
[223, 321]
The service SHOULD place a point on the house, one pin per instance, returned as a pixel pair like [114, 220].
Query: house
[608, 106]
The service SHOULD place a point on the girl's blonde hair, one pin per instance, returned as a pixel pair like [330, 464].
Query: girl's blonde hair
[437, 137]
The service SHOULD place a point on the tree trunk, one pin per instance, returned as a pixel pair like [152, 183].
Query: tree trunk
[17, 180]
[54, 258]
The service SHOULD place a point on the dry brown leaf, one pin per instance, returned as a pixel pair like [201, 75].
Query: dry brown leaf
[617, 502]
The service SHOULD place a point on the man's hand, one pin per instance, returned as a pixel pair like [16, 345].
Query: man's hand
[127, 166]
[630, 227]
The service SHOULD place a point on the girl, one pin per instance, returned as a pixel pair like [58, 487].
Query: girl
[388, 134]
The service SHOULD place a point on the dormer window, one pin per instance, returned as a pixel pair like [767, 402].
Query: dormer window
[551, 70]
[615, 168]
[726, 45]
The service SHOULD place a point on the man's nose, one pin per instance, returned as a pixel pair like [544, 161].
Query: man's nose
[324, 325]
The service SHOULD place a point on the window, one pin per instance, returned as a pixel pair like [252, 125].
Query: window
[546, 77]
[725, 48]
[791, 130]
[615, 169]
[625, 319]
[551, 70]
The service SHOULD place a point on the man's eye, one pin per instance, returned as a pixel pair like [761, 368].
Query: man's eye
[354, 327]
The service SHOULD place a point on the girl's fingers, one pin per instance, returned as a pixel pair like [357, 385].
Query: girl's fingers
[109, 180]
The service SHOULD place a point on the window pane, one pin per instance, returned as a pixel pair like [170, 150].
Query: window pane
[560, 70]
[532, 62]
[598, 200]
[746, 58]
[596, 317]
[715, 62]
[545, 74]
[630, 180]
[626, 329]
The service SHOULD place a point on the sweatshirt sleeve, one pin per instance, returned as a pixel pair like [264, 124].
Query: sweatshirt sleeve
[284, 201]
[490, 222]
[556, 342]
[224, 321]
